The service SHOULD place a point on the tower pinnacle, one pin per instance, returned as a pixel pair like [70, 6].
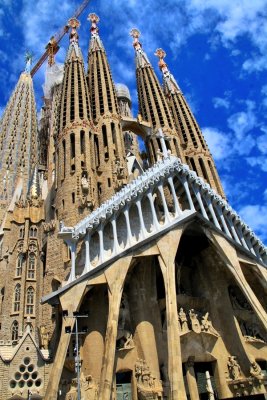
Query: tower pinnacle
[170, 84]
[95, 43]
[73, 23]
[141, 57]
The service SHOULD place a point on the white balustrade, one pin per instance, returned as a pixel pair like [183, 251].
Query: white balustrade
[145, 198]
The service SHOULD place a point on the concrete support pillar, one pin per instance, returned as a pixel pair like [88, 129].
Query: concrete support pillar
[70, 301]
[115, 277]
[188, 194]
[166, 211]
[154, 215]
[178, 210]
[168, 246]
[191, 379]
[229, 254]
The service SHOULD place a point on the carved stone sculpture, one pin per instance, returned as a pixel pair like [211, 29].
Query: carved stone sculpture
[44, 337]
[206, 325]
[148, 386]
[255, 370]
[233, 368]
[183, 321]
[196, 327]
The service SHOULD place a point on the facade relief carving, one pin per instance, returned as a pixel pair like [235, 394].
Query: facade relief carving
[89, 388]
[255, 370]
[49, 226]
[251, 332]
[193, 322]
[233, 368]
[44, 337]
[148, 386]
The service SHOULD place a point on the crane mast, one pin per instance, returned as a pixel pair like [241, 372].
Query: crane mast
[52, 46]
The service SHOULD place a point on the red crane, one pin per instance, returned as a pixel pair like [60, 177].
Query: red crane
[52, 46]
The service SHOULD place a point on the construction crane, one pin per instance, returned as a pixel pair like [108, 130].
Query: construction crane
[52, 46]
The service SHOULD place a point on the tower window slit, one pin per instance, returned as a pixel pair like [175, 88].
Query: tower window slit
[72, 151]
[105, 141]
[96, 146]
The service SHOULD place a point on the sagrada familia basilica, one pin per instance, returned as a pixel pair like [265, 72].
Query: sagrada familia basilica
[124, 274]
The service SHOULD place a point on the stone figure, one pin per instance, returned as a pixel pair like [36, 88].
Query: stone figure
[148, 386]
[183, 321]
[196, 327]
[44, 337]
[255, 370]
[233, 368]
[206, 325]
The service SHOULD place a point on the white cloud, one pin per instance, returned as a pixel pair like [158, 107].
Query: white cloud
[262, 143]
[243, 122]
[220, 102]
[219, 143]
[259, 161]
[255, 216]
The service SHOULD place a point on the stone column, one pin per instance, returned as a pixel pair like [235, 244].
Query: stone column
[168, 246]
[232, 262]
[191, 379]
[70, 301]
[115, 276]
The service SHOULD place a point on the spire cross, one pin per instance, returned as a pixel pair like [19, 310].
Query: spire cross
[94, 21]
[161, 54]
[136, 34]
[73, 23]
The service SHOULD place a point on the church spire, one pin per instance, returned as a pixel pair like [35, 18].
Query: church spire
[153, 106]
[109, 152]
[18, 141]
[196, 151]
[72, 144]
[102, 89]
[75, 97]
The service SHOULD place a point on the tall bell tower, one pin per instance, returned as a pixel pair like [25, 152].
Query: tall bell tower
[109, 152]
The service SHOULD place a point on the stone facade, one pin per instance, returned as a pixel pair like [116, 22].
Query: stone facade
[168, 282]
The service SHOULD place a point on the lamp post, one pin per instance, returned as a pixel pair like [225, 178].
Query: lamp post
[68, 330]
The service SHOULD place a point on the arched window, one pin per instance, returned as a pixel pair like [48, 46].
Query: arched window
[21, 233]
[33, 231]
[15, 330]
[31, 266]
[30, 300]
[19, 267]
[17, 297]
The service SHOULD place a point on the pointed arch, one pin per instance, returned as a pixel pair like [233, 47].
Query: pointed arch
[17, 296]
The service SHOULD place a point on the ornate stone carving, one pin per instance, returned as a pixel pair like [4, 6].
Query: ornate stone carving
[44, 337]
[195, 324]
[49, 226]
[183, 321]
[206, 325]
[148, 386]
[255, 370]
[89, 388]
[233, 368]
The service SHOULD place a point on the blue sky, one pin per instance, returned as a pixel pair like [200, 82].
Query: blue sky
[216, 49]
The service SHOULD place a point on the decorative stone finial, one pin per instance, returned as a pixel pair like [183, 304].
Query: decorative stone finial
[28, 60]
[94, 21]
[161, 54]
[74, 24]
[135, 33]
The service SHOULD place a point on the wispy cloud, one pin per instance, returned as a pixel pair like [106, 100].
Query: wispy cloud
[221, 102]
